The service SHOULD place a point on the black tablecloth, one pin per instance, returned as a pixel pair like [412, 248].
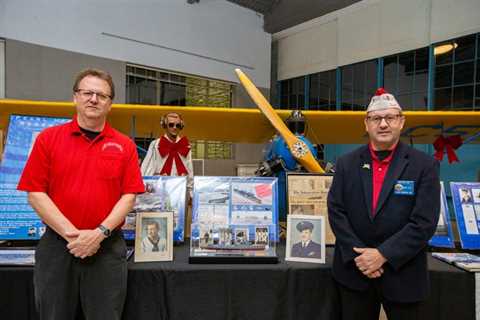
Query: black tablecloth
[288, 290]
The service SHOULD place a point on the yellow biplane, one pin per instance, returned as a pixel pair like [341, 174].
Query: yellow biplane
[244, 125]
[240, 125]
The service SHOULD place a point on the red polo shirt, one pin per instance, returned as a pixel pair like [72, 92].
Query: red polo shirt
[84, 178]
[380, 168]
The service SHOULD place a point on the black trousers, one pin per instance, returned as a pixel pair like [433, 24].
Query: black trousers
[365, 305]
[64, 284]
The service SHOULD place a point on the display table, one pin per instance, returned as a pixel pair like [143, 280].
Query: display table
[287, 290]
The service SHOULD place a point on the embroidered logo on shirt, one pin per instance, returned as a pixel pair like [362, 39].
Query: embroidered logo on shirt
[112, 146]
[366, 166]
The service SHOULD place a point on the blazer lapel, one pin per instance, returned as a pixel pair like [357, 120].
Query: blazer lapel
[398, 164]
[365, 169]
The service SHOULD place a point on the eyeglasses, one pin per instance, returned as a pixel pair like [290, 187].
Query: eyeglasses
[176, 125]
[88, 94]
[389, 119]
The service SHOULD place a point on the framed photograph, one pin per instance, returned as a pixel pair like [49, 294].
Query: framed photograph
[307, 194]
[261, 235]
[305, 238]
[154, 236]
[241, 236]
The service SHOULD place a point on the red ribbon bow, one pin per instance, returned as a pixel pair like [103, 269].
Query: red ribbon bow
[174, 150]
[450, 144]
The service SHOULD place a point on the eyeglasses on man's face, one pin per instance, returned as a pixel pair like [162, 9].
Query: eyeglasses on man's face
[389, 119]
[175, 125]
[88, 94]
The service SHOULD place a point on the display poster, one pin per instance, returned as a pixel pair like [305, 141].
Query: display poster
[443, 236]
[307, 195]
[162, 193]
[18, 221]
[466, 203]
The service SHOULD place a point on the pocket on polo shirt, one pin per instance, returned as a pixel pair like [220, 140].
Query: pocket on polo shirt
[109, 166]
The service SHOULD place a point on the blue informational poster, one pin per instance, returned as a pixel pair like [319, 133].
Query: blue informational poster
[163, 193]
[243, 208]
[443, 236]
[466, 202]
[18, 221]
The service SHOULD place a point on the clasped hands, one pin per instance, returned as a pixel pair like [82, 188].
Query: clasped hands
[84, 243]
[370, 262]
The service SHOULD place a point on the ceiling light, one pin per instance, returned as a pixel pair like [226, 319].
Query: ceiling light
[444, 48]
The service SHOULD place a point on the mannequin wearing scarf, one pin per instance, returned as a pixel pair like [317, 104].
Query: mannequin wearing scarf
[170, 158]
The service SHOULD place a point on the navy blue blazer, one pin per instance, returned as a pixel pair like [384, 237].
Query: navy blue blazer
[400, 229]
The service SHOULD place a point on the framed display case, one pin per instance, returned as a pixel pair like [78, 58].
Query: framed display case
[307, 195]
[234, 220]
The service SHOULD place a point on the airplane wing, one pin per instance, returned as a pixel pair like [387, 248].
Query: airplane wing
[246, 125]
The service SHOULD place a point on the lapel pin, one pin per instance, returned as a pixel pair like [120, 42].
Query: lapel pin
[366, 166]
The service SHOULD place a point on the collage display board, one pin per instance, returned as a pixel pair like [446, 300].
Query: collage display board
[443, 236]
[163, 193]
[234, 220]
[466, 203]
[18, 221]
[307, 195]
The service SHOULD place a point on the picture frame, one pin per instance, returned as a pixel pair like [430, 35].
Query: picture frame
[307, 195]
[305, 238]
[154, 237]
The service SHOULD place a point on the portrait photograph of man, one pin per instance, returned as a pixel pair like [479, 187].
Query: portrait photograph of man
[305, 238]
[155, 238]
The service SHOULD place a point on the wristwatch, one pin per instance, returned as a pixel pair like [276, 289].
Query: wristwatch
[106, 232]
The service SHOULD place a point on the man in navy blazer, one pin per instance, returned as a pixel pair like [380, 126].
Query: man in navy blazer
[383, 207]
[306, 248]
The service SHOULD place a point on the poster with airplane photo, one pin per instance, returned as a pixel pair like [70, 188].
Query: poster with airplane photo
[466, 203]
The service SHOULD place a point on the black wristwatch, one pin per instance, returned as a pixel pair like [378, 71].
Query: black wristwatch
[106, 232]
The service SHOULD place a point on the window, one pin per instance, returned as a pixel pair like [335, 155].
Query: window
[405, 75]
[146, 86]
[292, 93]
[158, 87]
[211, 150]
[359, 82]
[323, 91]
[457, 78]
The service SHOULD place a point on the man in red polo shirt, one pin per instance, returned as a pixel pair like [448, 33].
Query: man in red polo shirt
[383, 207]
[82, 178]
